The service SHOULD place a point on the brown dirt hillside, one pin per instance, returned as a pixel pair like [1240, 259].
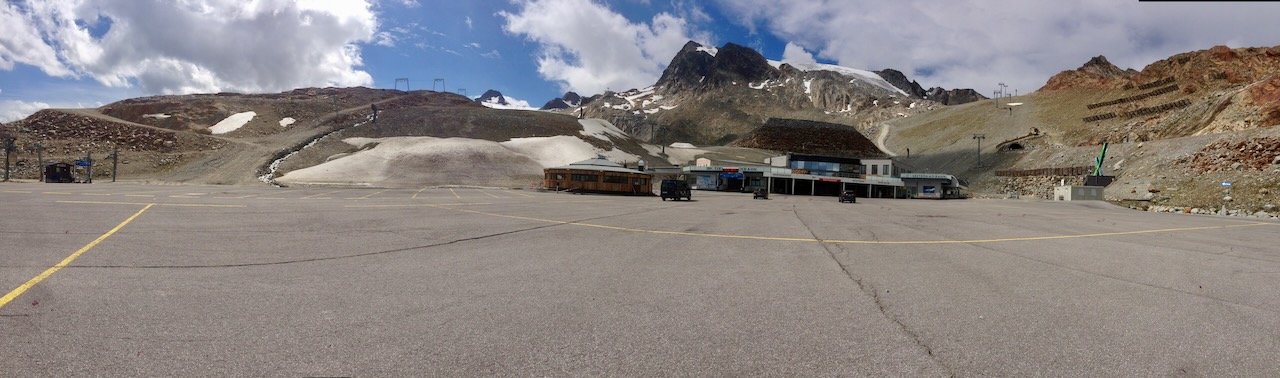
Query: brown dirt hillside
[1176, 130]
[167, 138]
[178, 148]
[810, 137]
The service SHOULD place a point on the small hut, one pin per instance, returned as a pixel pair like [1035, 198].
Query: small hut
[58, 172]
[598, 175]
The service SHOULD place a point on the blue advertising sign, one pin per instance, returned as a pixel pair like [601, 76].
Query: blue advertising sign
[82, 163]
[929, 189]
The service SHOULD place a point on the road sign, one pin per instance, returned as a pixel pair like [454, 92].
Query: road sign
[82, 163]
[1226, 183]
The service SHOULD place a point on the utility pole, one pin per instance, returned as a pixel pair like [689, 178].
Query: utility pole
[40, 160]
[462, 91]
[8, 148]
[89, 158]
[1001, 92]
[406, 83]
[979, 138]
[115, 162]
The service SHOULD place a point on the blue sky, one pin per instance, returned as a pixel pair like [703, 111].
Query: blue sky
[85, 53]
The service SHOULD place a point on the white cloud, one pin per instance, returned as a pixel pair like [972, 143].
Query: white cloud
[492, 55]
[468, 22]
[384, 38]
[588, 47]
[473, 45]
[410, 3]
[978, 43]
[13, 110]
[192, 46]
[20, 43]
[793, 53]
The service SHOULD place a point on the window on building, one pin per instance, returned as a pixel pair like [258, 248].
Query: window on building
[584, 177]
[639, 181]
[615, 179]
[874, 170]
[885, 169]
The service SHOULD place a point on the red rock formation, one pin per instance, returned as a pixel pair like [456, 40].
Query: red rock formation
[1098, 73]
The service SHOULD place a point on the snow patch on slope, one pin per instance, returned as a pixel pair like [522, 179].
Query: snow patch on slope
[286, 121]
[864, 75]
[512, 104]
[231, 123]
[554, 151]
[600, 129]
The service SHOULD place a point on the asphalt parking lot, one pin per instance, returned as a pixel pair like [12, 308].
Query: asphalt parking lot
[142, 280]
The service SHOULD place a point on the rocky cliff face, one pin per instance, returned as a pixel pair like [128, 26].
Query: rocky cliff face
[569, 100]
[898, 79]
[953, 96]
[1097, 73]
[1211, 91]
[493, 97]
[688, 69]
[735, 63]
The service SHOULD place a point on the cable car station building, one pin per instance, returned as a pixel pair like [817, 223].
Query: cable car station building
[801, 175]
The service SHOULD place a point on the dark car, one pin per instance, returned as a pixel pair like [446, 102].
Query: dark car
[848, 196]
[760, 193]
[674, 189]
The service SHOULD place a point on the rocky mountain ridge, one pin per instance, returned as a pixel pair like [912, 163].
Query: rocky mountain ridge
[714, 96]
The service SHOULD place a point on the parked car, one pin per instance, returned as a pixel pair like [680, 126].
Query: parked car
[674, 189]
[760, 193]
[848, 196]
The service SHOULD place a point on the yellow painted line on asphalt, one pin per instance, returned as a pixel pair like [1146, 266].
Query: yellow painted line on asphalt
[151, 192]
[577, 201]
[415, 195]
[183, 196]
[56, 193]
[139, 195]
[314, 196]
[95, 194]
[771, 238]
[425, 205]
[151, 204]
[18, 191]
[455, 194]
[366, 197]
[519, 194]
[490, 194]
[263, 194]
[49, 272]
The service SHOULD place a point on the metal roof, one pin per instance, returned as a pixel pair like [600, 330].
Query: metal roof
[598, 164]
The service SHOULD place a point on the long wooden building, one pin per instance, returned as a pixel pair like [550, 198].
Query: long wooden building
[598, 176]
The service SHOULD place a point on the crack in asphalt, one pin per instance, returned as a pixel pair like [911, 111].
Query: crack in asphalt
[868, 289]
[389, 251]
